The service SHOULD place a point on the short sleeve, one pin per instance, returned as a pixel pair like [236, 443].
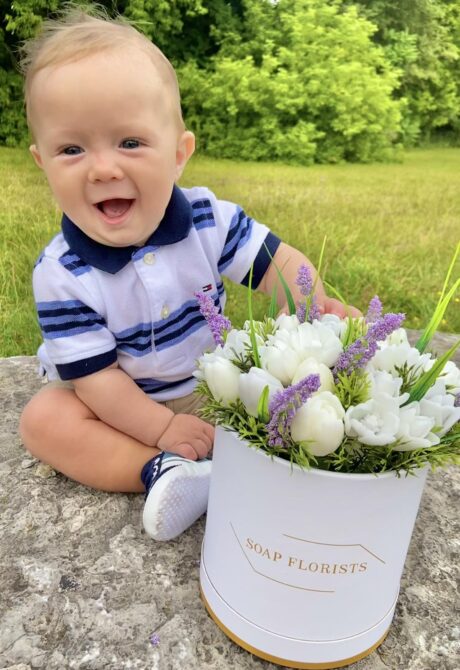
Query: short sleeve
[76, 339]
[242, 242]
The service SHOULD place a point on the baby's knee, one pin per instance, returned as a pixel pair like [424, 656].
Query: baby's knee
[42, 415]
[52, 418]
[38, 416]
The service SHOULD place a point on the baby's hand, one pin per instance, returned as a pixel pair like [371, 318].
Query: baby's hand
[330, 306]
[334, 306]
[188, 436]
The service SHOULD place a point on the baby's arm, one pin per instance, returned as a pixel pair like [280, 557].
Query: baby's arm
[117, 401]
[288, 260]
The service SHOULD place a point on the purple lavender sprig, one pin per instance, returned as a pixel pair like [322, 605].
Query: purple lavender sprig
[217, 322]
[314, 311]
[374, 312]
[360, 352]
[283, 407]
[154, 640]
[301, 312]
[305, 282]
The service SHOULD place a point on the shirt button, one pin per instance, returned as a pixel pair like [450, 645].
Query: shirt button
[149, 258]
[165, 312]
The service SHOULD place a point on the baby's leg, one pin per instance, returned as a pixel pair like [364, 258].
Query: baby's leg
[60, 430]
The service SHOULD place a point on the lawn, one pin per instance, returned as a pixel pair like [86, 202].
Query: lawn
[391, 229]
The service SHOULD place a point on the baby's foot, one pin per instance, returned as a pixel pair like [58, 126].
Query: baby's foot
[177, 494]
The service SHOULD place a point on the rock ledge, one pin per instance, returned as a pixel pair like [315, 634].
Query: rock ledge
[81, 586]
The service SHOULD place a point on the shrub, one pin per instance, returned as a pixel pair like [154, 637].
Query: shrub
[321, 91]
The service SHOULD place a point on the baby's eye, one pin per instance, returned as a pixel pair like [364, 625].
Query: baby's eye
[130, 143]
[73, 150]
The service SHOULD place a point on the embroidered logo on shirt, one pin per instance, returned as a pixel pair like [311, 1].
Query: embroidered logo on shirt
[207, 287]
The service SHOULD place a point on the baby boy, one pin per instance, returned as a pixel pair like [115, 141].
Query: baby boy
[115, 289]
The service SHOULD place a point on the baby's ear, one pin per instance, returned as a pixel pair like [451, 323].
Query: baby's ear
[185, 148]
[36, 154]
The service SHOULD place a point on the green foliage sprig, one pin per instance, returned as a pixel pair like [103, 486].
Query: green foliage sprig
[350, 457]
[352, 389]
[441, 307]
[354, 457]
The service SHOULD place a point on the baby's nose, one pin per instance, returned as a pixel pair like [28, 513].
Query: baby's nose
[104, 168]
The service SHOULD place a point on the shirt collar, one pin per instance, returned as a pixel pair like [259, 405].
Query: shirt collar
[174, 226]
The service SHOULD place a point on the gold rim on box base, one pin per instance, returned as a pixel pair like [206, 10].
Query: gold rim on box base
[281, 661]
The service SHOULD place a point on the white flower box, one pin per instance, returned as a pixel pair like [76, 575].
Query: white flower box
[302, 567]
[331, 428]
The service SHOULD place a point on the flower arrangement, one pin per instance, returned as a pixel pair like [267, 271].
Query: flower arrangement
[347, 395]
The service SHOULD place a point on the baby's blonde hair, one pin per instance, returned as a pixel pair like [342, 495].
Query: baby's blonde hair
[81, 32]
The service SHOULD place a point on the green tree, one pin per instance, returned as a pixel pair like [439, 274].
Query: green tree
[422, 39]
[19, 21]
[295, 80]
[304, 83]
[183, 29]
[164, 21]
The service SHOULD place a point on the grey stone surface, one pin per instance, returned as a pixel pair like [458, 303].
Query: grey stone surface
[82, 587]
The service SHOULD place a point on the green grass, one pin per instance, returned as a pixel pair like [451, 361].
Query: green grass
[391, 230]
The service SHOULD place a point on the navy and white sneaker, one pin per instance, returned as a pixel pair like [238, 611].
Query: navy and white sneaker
[177, 494]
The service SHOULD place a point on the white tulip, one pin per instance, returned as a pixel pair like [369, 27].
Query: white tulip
[450, 375]
[310, 366]
[414, 430]
[222, 378]
[440, 406]
[207, 358]
[391, 356]
[279, 359]
[311, 340]
[259, 327]
[236, 344]
[320, 342]
[320, 423]
[383, 382]
[398, 336]
[287, 322]
[335, 323]
[251, 386]
[374, 422]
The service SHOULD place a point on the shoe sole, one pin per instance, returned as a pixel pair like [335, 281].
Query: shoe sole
[177, 500]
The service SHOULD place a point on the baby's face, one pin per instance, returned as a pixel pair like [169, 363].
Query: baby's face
[108, 140]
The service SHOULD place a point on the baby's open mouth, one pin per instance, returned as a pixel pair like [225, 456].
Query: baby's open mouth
[114, 207]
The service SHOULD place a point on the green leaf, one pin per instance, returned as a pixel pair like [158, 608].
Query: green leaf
[252, 332]
[441, 307]
[320, 262]
[435, 320]
[449, 272]
[428, 378]
[262, 406]
[335, 292]
[349, 333]
[287, 291]
[273, 308]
